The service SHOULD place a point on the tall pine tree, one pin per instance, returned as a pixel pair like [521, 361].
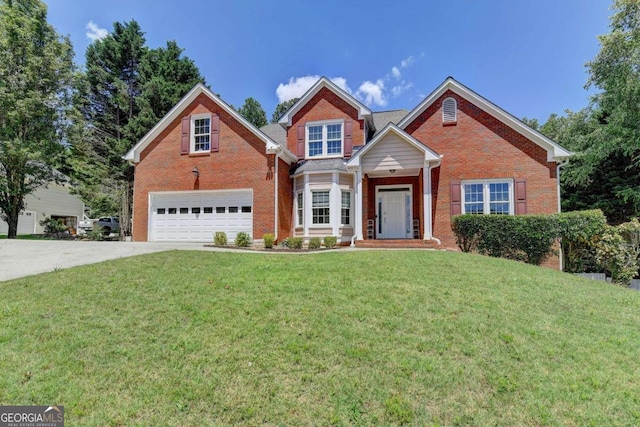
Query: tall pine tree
[128, 89]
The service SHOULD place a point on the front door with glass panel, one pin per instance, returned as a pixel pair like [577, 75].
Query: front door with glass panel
[394, 214]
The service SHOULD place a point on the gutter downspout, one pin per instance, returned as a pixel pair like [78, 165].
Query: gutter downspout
[558, 166]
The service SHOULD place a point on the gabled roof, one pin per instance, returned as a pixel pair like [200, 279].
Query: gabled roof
[429, 154]
[555, 152]
[323, 82]
[272, 147]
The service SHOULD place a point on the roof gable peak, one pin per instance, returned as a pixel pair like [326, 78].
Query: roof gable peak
[323, 82]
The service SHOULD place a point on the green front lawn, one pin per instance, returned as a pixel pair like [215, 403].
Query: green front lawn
[343, 338]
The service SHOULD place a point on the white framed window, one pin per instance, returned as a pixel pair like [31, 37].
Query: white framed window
[449, 110]
[299, 209]
[320, 210]
[345, 211]
[325, 139]
[201, 134]
[488, 197]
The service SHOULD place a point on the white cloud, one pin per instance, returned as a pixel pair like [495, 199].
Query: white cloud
[94, 32]
[402, 87]
[297, 86]
[372, 93]
[407, 61]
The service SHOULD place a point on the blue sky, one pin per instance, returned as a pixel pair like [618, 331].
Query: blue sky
[526, 56]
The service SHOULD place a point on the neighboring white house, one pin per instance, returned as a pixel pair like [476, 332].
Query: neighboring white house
[54, 201]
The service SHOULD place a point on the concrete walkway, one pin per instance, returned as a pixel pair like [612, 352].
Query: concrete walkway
[19, 258]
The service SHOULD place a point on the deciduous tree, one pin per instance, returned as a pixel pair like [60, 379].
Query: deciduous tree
[36, 80]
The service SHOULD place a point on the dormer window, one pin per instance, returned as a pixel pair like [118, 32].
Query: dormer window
[449, 111]
[325, 139]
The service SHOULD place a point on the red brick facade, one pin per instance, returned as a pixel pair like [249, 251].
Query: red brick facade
[325, 105]
[241, 162]
[476, 146]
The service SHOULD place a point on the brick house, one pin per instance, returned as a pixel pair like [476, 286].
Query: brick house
[333, 167]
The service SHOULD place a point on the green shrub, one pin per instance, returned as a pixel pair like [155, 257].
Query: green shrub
[295, 242]
[96, 234]
[315, 243]
[220, 238]
[285, 243]
[330, 241]
[268, 240]
[618, 251]
[580, 232]
[528, 238]
[243, 239]
[53, 227]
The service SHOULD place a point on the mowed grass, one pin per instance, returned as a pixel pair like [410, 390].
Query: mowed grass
[343, 338]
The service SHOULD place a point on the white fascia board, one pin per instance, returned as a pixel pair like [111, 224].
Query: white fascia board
[429, 154]
[286, 120]
[555, 152]
[133, 156]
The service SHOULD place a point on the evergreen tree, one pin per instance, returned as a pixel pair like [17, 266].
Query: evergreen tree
[252, 111]
[128, 88]
[36, 80]
[282, 108]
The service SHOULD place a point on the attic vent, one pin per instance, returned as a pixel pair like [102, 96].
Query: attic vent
[449, 110]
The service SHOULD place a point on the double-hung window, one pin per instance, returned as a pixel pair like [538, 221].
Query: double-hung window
[488, 197]
[299, 209]
[345, 213]
[201, 134]
[325, 139]
[320, 202]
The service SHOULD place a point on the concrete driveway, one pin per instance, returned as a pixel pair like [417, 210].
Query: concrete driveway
[19, 258]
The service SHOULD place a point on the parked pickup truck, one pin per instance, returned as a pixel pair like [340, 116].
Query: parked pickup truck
[85, 224]
[109, 224]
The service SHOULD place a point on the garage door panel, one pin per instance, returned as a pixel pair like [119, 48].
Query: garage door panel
[173, 217]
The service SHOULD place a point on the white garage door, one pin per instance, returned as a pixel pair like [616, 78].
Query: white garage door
[26, 223]
[196, 216]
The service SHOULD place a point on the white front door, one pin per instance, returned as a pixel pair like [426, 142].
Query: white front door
[395, 214]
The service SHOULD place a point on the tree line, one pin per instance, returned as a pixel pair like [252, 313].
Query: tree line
[58, 121]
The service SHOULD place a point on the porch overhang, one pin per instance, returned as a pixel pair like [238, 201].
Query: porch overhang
[394, 162]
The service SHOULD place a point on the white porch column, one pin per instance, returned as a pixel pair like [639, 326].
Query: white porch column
[427, 202]
[306, 205]
[357, 185]
[335, 203]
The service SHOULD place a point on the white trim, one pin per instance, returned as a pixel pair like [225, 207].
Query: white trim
[192, 133]
[429, 154]
[554, 150]
[307, 203]
[296, 207]
[323, 82]
[485, 193]
[335, 200]
[350, 192]
[321, 189]
[378, 215]
[358, 232]
[325, 139]
[133, 156]
[427, 201]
